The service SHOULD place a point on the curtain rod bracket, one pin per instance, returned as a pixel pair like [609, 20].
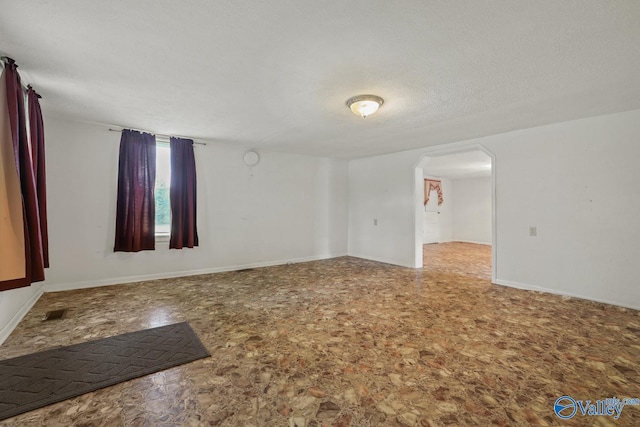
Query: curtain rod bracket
[8, 60]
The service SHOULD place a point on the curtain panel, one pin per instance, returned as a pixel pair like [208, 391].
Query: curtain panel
[135, 212]
[430, 185]
[184, 232]
[36, 133]
[12, 244]
[31, 239]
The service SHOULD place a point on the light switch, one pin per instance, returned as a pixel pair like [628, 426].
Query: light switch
[533, 231]
[375, 221]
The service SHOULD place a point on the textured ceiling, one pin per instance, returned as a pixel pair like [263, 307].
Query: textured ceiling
[275, 74]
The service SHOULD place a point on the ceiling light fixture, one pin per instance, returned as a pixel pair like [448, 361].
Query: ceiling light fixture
[364, 105]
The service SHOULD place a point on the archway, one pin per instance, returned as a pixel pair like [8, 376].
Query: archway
[471, 170]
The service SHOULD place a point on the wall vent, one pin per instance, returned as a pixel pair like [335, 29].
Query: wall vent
[54, 314]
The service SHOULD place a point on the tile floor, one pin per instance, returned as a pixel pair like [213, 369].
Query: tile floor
[349, 342]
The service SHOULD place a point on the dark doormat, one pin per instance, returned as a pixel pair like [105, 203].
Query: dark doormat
[39, 379]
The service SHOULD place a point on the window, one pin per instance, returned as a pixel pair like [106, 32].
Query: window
[163, 183]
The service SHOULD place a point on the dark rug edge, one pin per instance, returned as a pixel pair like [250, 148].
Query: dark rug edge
[185, 326]
[97, 386]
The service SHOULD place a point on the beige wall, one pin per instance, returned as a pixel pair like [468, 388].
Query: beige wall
[12, 263]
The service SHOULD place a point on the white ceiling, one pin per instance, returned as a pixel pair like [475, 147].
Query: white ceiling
[275, 74]
[470, 164]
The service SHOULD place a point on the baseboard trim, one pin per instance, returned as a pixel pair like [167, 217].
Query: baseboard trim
[59, 287]
[472, 241]
[385, 261]
[526, 287]
[15, 320]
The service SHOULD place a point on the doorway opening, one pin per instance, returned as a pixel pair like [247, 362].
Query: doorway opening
[455, 212]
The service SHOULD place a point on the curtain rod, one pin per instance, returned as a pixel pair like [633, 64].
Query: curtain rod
[161, 135]
[3, 61]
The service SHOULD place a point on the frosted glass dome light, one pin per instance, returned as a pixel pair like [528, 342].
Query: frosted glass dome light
[364, 105]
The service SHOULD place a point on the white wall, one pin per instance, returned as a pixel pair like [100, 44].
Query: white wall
[445, 216]
[287, 208]
[576, 181]
[14, 304]
[378, 190]
[472, 210]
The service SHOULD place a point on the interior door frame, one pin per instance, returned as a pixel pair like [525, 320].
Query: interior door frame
[419, 200]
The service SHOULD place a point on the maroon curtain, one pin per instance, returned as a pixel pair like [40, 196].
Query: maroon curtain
[183, 195]
[34, 260]
[36, 134]
[135, 215]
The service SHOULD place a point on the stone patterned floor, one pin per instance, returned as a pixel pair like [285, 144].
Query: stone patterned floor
[349, 342]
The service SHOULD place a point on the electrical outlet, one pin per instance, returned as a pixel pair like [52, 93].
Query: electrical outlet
[375, 221]
[533, 231]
